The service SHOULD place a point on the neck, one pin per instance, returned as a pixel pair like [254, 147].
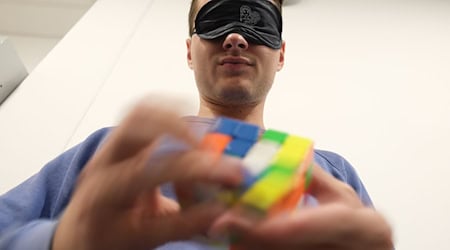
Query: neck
[250, 113]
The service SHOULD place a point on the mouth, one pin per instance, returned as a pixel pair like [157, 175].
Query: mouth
[235, 61]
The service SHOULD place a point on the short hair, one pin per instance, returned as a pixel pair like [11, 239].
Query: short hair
[194, 9]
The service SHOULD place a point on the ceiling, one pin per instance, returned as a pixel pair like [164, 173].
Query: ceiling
[40, 18]
[34, 27]
[46, 18]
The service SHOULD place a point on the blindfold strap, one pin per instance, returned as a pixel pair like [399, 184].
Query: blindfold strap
[258, 21]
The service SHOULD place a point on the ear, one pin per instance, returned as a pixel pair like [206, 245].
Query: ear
[189, 55]
[281, 60]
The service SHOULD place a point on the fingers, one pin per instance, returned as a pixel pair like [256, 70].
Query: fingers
[121, 181]
[133, 146]
[340, 216]
[333, 226]
[144, 124]
[327, 189]
[195, 165]
[180, 226]
[131, 161]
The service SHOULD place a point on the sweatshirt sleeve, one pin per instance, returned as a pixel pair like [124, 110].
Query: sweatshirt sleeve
[35, 235]
[29, 212]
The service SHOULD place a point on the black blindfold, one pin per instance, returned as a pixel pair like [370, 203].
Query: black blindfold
[258, 21]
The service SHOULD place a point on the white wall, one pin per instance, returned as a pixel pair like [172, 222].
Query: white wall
[35, 26]
[367, 79]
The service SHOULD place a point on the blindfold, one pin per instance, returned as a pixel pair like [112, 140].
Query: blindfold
[258, 21]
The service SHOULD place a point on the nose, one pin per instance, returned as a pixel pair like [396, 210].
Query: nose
[235, 41]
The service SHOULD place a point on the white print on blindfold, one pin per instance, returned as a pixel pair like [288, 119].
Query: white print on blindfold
[248, 16]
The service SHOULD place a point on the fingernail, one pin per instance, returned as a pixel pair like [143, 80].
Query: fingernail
[230, 161]
[232, 167]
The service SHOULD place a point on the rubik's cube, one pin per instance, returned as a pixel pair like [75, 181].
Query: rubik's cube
[277, 165]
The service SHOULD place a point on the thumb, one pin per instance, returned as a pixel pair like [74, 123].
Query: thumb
[183, 225]
[327, 189]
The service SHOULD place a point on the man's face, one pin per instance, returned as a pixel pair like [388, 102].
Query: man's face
[230, 70]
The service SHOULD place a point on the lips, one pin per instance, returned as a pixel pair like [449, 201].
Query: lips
[235, 60]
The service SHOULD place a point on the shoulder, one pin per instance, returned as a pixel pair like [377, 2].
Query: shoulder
[341, 169]
[59, 175]
[62, 171]
[46, 193]
[334, 163]
[97, 137]
[83, 151]
[86, 148]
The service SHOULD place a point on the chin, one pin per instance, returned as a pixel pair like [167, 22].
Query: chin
[236, 97]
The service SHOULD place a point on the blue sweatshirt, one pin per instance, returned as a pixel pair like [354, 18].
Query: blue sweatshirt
[29, 213]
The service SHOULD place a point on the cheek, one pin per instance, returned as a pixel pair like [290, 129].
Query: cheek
[270, 65]
[198, 57]
[200, 65]
[270, 59]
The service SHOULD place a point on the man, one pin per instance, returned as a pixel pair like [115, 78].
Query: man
[117, 189]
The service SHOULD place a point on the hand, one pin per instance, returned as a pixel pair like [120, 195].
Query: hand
[117, 203]
[339, 222]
